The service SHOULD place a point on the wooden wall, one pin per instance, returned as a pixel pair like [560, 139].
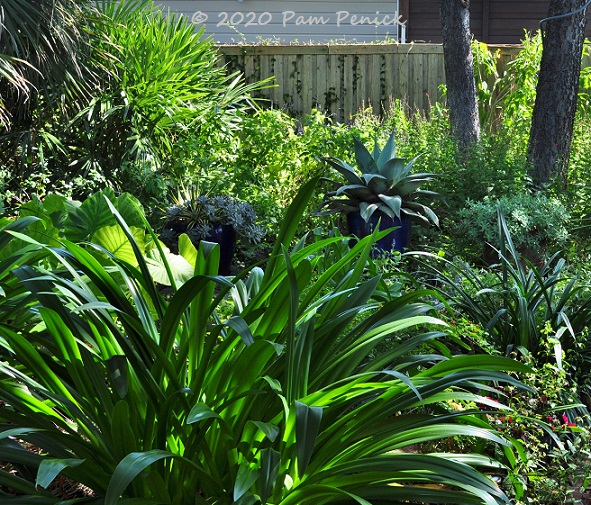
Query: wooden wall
[491, 21]
[341, 79]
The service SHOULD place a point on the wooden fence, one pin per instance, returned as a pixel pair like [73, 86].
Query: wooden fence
[342, 79]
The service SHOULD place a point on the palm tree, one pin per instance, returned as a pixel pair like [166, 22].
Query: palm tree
[45, 69]
[43, 52]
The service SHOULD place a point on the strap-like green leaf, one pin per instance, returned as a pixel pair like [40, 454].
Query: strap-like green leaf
[307, 427]
[241, 328]
[200, 412]
[49, 469]
[270, 430]
[291, 221]
[125, 440]
[118, 373]
[270, 461]
[128, 469]
[246, 477]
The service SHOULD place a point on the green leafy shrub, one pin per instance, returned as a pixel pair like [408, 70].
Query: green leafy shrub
[547, 423]
[520, 80]
[534, 221]
[266, 162]
[153, 399]
[578, 191]
[552, 428]
[158, 82]
[491, 93]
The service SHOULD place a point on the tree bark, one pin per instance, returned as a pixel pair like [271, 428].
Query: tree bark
[459, 71]
[556, 94]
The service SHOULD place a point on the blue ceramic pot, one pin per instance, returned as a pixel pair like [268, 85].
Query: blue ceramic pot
[397, 240]
[225, 236]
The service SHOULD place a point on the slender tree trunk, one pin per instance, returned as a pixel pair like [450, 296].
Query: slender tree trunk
[459, 71]
[556, 95]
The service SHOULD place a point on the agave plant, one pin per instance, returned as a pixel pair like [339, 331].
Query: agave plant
[381, 182]
[138, 398]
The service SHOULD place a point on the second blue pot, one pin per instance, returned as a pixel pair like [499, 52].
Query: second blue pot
[397, 240]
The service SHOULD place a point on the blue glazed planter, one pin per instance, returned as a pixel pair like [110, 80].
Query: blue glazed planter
[397, 240]
[222, 234]
[225, 236]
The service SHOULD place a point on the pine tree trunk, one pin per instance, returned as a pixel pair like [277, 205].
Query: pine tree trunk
[556, 96]
[459, 71]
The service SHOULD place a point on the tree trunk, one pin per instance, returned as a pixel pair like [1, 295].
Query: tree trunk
[556, 95]
[459, 71]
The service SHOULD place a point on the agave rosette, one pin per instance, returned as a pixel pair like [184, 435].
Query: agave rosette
[381, 182]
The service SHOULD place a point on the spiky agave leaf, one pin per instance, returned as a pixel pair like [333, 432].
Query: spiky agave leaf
[395, 168]
[346, 170]
[394, 203]
[366, 161]
[387, 153]
[410, 184]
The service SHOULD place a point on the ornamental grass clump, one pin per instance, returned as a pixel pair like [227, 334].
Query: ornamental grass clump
[515, 299]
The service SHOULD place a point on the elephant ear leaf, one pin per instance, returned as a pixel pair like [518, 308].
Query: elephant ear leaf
[94, 213]
[52, 209]
[114, 240]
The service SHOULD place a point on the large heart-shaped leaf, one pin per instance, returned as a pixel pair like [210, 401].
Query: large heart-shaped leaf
[94, 213]
[114, 240]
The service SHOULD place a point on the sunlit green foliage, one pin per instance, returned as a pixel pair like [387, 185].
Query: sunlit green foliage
[137, 395]
[155, 82]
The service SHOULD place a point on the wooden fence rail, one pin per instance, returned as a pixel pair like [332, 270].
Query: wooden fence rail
[341, 79]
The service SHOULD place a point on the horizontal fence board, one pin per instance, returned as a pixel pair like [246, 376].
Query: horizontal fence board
[332, 49]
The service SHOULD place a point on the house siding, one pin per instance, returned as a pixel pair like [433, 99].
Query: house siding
[491, 21]
[301, 21]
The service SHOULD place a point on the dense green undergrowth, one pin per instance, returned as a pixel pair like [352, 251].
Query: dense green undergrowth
[318, 373]
[145, 398]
